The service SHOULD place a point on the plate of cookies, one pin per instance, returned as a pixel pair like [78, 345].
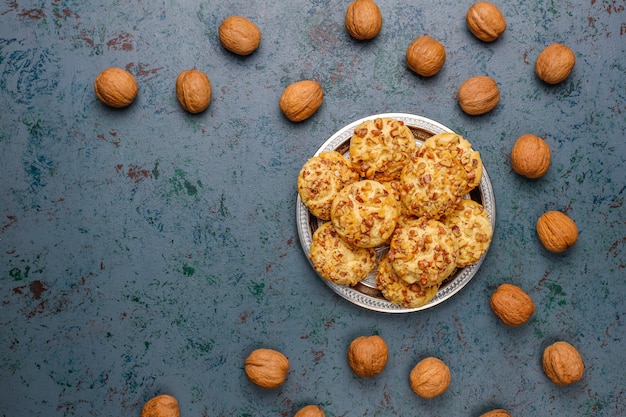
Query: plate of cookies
[395, 212]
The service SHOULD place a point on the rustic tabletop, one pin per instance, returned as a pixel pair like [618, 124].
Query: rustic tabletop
[146, 250]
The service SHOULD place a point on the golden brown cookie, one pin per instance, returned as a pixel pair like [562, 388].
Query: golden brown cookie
[320, 180]
[380, 148]
[423, 251]
[398, 291]
[364, 213]
[338, 261]
[432, 187]
[471, 227]
[452, 145]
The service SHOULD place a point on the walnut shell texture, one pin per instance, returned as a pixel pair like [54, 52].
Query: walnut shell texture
[425, 56]
[116, 87]
[363, 19]
[239, 35]
[512, 305]
[530, 156]
[496, 413]
[556, 231]
[478, 95]
[193, 90]
[266, 368]
[301, 100]
[161, 406]
[555, 63]
[367, 355]
[430, 377]
[310, 411]
[485, 21]
[562, 363]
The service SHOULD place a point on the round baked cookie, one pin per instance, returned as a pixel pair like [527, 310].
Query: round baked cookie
[432, 187]
[452, 145]
[398, 291]
[423, 251]
[471, 228]
[338, 261]
[380, 148]
[364, 213]
[403, 213]
[320, 180]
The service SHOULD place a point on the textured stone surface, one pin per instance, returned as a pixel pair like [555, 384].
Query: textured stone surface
[147, 251]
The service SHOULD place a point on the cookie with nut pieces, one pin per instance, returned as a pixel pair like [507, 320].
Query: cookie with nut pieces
[423, 251]
[320, 180]
[380, 148]
[471, 227]
[364, 213]
[338, 261]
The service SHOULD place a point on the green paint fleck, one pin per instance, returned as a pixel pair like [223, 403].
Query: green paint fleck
[146, 344]
[188, 271]
[256, 288]
[17, 274]
[109, 335]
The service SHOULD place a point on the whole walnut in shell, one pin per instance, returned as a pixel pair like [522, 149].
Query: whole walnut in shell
[496, 413]
[512, 305]
[425, 56]
[161, 406]
[301, 100]
[266, 368]
[193, 90]
[556, 231]
[116, 87]
[562, 363]
[478, 95]
[367, 355]
[430, 377]
[530, 156]
[555, 63]
[363, 19]
[485, 21]
[239, 35]
[310, 411]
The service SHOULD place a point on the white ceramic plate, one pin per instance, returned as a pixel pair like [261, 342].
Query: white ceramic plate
[365, 294]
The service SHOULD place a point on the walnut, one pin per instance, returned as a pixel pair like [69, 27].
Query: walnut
[555, 63]
[367, 355]
[430, 377]
[496, 413]
[530, 156]
[116, 87]
[266, 368]
[478, 95]
[363, 19]
[193, 90]
[161, 406]
[556, 231]
[512, 305]
[301, 100]
[485, 21]
[562, 363]
[310, 411]
[425, 56]
[239, 35]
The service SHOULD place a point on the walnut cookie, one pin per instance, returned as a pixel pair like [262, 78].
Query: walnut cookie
[471, 228]
[457, 147]
[320, 180]
[380, 148]
[400, 292]
[432, 188]
[364, 213]
[338, 261]
[423, 251]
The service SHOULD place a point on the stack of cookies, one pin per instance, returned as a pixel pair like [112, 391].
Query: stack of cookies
[397, 209]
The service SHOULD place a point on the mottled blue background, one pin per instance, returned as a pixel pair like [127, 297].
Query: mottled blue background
[146, 250]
